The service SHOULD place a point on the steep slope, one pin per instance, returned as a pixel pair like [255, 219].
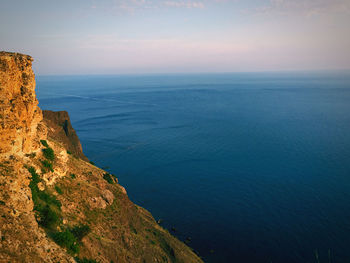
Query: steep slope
[60, 128]
[19, 115]
[21, 127]
[54, 205]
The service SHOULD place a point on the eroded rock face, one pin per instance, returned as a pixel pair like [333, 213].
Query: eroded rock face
[20, 116]
[60, 129]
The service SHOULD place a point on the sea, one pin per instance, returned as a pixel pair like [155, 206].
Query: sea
[244, 167]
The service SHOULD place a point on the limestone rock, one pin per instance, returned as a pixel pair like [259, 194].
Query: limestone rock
[20, 116]
[108, 196]
[60, 128]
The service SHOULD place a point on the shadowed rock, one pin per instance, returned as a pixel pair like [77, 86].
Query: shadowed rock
[61, 130]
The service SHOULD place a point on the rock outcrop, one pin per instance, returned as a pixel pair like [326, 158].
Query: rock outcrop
[21, 127]
[54, 205]
[20, 116]
[60, 128]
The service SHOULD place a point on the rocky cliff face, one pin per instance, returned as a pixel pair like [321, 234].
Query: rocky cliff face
[60, 128]
[20, 116]
[55, 206]
[21, 127]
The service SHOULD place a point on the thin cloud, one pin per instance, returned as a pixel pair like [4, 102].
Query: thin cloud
[184, 4]
[131, 6]
[305, 7]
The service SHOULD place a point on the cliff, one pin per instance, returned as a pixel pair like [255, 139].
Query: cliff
[19, 114]
[54, 205]
[60, 129]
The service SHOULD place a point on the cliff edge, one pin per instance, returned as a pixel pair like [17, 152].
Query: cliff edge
[60, 129]
[19, 114]
[54, 205]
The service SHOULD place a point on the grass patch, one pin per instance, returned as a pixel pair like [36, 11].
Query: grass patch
[44, 142]
[48, 215]
[49, 154]
[47, 165]
[46, 206]
[58, 189]
[70, 237]
[66, 239]
[108, 178]
[80, 231]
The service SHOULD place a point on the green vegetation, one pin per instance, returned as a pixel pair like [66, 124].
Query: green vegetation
[69, 152]
[108, 178]
[80, 231]
[92, 162]
[73, 176]
[46, 205]
[44, 142]
[47, 165]
[71, 237]
[48, 215]
[66, 239]
[58, 189]
[49, 154]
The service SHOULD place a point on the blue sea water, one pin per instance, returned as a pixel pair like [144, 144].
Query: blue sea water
[254, 167]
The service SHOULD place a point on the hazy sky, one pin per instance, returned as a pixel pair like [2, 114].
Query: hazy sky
[152, 36]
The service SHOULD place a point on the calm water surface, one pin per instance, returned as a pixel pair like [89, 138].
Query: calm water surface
[253, 167]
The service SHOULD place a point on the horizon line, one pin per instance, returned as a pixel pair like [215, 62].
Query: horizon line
[202, 73]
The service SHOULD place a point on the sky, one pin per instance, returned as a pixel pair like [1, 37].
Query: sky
[177, 36]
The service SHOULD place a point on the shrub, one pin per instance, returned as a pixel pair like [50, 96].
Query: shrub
[66, 239]
[35, 176]
[43, 142]
[49, 199]
[108, 178]
[92, 162]
[80, 231]
[58, 189]
[73, 176]
[49, 153]
[69, 152]
[49, 218]
[46, 205]
[48, 215]
[47, 165]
